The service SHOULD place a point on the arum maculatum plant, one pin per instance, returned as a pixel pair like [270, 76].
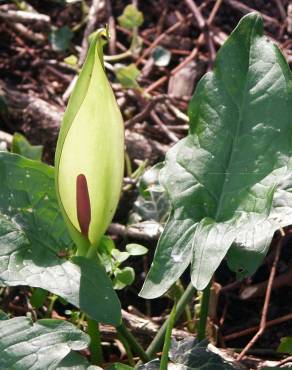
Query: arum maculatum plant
[228, 181]
[90, 166]
[229, 184]
[90, 153]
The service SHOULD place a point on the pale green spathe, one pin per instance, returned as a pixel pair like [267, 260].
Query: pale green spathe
[92, 144]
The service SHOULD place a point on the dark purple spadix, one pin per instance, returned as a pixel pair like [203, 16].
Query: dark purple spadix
[83, 204]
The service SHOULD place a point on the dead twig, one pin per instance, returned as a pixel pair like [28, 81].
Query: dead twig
[289, 18]
[285, 361]
[39, 118]
[90, 26]
[69, 89]
[163, 127]
[27, 33]
[20, 42]
[130, 34]
[24, 17]
[263, 322]
[143, 328]
[281, 9]
[158, 40]
[246, 9]
[203, 27]
[200, 39]
[58, 74]
[197, 14]
[253, 329]
[219, 36]
[132, 232]
[7, 138]
[170, 30]
[146, 111]
[193, 54]
[257, 290]
[112, 28]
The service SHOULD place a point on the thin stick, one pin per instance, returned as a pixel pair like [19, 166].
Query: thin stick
[197, 14]
[285, 361]
[163, 127]
[161, 37]
[112, 28]
[167, 32]
[263, 322]
[281, 9]
[253, 329]
[24, 17]
[146, 111]
[257, 290]
[90, 26]
[200, 39]
[203, 27]
[191, 57]
[91, 21]
[246, 9]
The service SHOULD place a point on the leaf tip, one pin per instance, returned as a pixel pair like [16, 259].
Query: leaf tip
[149, 290]
[253, 20]
[200, 282]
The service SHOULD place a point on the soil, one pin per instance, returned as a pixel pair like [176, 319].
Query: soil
[32, 70]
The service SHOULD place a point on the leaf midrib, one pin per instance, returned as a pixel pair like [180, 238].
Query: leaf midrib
[241, 108]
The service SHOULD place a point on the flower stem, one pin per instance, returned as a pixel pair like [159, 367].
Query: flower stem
[178, 291]
[135, 346]
[128, 350]
[53, 299]
[95, 342]
[92, 325]
[156, 344]
[167, 340]
[204, 313]
[92, 253]
[122, 330]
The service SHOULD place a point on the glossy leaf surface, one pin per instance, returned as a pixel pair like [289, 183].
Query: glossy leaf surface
[223, 178]
[38, 346]
[33, 233]
[75, 361]
[188, 354]
[152, 203]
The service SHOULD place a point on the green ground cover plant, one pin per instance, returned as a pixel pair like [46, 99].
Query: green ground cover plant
[229, 187]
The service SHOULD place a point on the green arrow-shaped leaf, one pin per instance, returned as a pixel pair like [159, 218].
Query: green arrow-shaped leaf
[38, 346]
[32, 233]
[223, 178]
